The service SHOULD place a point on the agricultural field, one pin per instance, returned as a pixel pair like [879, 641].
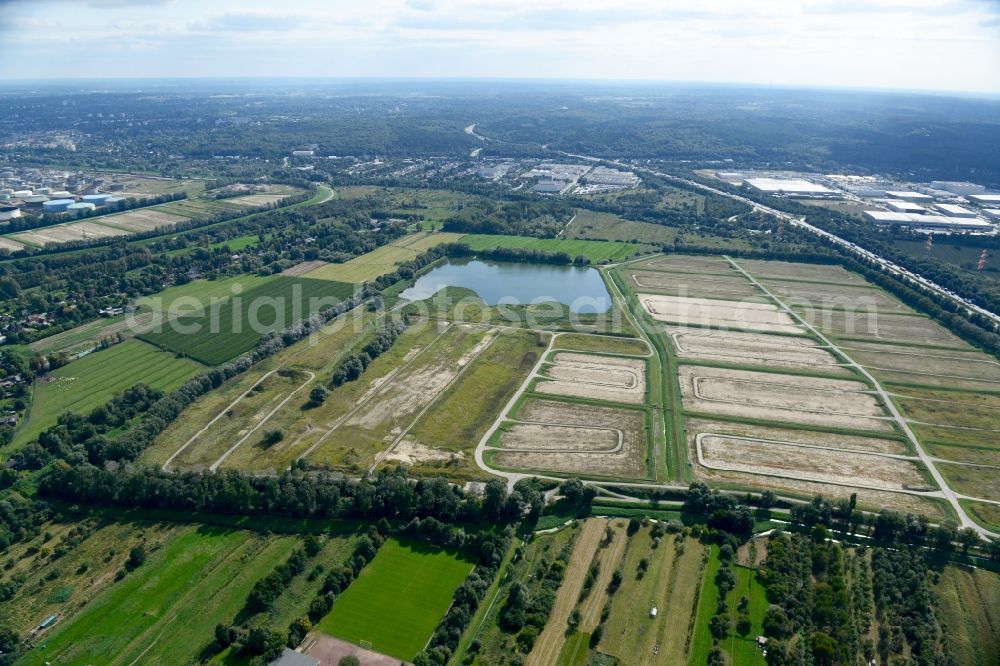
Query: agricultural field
[766, 402]
[236, 326]
[91, 381]
[165, 611]
[592, 225]
[573, 439]
[62, 233]
[601, 344]
[443, 438]
[10, 244]
[597, 252]
[398, 598]
[383, 259]
[705, 313]
[720, 287]
[143, 219]
[592, 376]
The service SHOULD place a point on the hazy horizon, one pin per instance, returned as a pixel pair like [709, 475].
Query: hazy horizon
[882, 45]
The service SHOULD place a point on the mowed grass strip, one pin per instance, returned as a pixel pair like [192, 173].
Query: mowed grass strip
[596, 251]
[94, 379]
[240, 322]
[398, 599]
[384, 259]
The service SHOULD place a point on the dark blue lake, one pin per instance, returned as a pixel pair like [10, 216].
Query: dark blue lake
[502, 282]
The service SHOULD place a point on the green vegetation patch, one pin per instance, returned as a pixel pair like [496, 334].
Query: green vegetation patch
[240, 322]
[398, 599]
[384, 259]
[94, 379]
[596, 251]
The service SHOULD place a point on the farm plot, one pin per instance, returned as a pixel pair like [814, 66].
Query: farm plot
[550, 642]
[627, 460]
[594, 377]
[200, 427]
[704, 312]
[817, 401]
[949, 408]
[166, 610]
[62, 233]
[829, 296]
[978, 481]
[601, 343]
[796, 460]
[685, 284]
[670, 584]
[10, 244]
[398, 599]
[591, 225]
[224, 333]
[243, 422]
[710, 265]
[819, 273]
[143, 219]
[775, 351]
[383, 259]
[255, 200]
[389, 409]
[443, 439]
[94, 379]
[882, 327]
[924, 365]
[870, 497]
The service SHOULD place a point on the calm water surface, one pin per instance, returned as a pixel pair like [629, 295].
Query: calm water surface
[496, 282]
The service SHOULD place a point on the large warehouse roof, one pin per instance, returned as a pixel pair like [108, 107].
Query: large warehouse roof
[927, 221]
[789, 186]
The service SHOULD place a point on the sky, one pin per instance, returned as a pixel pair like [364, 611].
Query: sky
[935, 45]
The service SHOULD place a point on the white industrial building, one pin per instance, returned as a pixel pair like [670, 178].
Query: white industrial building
[303, 153]
[905, 207]
[984, 199]
[956, 187]
[951, 210]
[992, 213]
[935, 222]
[9, 213]
[793, 187]
[909, 195]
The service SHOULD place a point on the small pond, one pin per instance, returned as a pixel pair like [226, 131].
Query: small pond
[502, 282]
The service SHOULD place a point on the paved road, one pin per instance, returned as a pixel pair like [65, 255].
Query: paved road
[928, 462]
[801, 223]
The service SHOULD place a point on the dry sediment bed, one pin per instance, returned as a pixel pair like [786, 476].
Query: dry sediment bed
[687, 284]
[782, 351]
[796, 460]
[596, 377]
[835, 296]
[819, 401]
[764, 317]
[689, 264]
[784, 270]
[872, 325]
[517, 451]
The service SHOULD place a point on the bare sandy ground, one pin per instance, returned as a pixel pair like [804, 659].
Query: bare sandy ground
[411, 452]
[898, 328]
[8, 244]
[874, 444]
[547, 437]
[628, 461]
[302, 268]
[754, 349]
[719, 314]
[612, 378]
[68, 232]
[768, 396]
[692, 264]
[849, 468]
[330, 650]
[834, 295]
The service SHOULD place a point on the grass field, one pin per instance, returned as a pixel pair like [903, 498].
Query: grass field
[240, 323]
[597, 251]
[601, 343]
[458, 419]
[94, 379]
[398, 599]
[165, 611]
[969, 606]
[382, 260]
[591, 225]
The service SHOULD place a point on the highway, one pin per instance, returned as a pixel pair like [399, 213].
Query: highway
[801, 223]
